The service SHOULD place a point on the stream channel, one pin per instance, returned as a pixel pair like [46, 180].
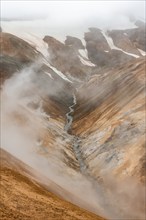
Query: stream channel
[76, 139]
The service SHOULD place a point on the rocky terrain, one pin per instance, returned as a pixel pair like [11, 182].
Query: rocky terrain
[73, 114]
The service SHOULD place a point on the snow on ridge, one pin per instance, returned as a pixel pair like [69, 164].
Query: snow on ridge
[113, 47]
[83, 53]
[83, 42]
[85, 62]
[59, 73]
[143, 53]
[84, 58]
[36, 42]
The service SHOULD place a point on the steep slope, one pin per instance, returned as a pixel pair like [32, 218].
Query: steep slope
[130, 40]
[110, 117]
[17, 54]
[80, 124]
[66, 57]
[113, 48]
[24, 198]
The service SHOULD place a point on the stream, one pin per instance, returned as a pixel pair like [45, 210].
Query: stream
[76, 139]
[69, 115]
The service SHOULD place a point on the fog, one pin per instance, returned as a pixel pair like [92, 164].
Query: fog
[70, 11]
[22, 125]
[61, 18]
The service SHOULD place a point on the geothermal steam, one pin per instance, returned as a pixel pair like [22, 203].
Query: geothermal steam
[21, 127]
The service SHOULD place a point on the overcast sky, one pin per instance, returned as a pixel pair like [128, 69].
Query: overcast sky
[68, 11]
[61, 18]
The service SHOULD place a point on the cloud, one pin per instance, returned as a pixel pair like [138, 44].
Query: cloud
[70, 11]
[62, 18]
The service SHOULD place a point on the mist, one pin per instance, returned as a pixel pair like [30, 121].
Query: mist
[61, 18]
[22, 127]
[24, 123]
[73, 11]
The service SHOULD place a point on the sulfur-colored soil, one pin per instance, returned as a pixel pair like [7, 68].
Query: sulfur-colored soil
[22, 198]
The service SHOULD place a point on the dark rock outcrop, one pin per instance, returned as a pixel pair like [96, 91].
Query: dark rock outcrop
[66, 59]
[121, 40]
[138, 37]
[99, 51]
[74, 42]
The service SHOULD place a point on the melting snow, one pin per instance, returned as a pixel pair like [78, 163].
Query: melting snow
[85, 62]
[83, 53]
[112, 46]
[36, 42]
[106, 51]
[143, 53]
[59, 73]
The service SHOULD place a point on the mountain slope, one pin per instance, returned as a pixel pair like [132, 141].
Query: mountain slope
[110, 116]
[24, 198]
[76, 114]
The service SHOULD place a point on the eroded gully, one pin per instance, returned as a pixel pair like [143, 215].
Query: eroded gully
[76, 145]
[76, 140]
[104, 196]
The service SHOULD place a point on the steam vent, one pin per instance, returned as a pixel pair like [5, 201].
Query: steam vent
[73, 92]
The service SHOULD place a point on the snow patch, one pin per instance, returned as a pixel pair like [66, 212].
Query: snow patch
[34, 40]
[59, 73]
[83, 53]
[143, 53]
[37, 42]
[85, 62]
[113, 47]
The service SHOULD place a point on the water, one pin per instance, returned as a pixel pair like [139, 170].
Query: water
[69, 115]
[79, 155]
[76, 140]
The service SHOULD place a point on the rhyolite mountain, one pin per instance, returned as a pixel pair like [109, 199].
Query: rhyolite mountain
[83, 102]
